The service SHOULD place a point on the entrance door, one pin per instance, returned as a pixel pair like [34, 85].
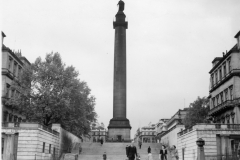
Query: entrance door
[119, 138]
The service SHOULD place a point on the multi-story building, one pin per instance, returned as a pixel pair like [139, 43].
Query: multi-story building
[169, 130]
[160, 126]
[98, 132]
[225, 87]
[147, 134]
[222, 137]
[12, 65]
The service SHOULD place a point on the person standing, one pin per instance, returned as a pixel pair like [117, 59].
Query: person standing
[101, 141]
[149, 149]
[131, 151]
[163, 153]
[140, 144]
[174, 153]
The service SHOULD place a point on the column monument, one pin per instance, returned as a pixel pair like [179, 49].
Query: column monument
[119, 126]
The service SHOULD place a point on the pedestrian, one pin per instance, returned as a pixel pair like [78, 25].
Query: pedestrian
[131, 151]
[101, 141]
[149, 149]
[150, 156]
[163, 153]
[174, 153]
[139, 144]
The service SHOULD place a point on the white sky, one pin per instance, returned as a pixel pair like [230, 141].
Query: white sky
[170, 46]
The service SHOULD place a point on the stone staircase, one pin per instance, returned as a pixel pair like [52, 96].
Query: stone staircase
[115, 151]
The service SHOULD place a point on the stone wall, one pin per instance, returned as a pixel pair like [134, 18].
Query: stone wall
[217, 139]
[170, 138]
[29, 141]
[67, 140]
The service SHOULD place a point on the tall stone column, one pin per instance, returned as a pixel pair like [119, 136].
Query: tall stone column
[119, 126]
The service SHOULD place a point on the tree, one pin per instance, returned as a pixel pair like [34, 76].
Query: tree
[50, 92]
[197, 113]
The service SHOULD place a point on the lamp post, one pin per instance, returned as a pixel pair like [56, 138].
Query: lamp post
[200, 152]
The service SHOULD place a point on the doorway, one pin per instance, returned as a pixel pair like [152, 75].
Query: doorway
[119, 137]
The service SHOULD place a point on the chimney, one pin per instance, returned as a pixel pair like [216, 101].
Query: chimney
[238, 39]
[3, 35]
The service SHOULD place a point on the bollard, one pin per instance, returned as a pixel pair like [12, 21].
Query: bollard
[200, 152]
[104, 156]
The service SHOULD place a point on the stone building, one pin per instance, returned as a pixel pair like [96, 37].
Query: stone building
[168, 134]
[12, 65]
[222, 136]
[160, 126]
[27, 140]
[224, 92]
[98, 132]
[147, 134]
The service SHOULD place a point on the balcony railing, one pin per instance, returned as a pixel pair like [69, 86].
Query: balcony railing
[226, 104]
[223, 78]
[184, 131]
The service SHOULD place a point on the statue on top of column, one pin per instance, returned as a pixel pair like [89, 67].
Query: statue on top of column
[121, 5]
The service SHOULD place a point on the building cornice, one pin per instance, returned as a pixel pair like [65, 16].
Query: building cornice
[234, 49]
[6, 49]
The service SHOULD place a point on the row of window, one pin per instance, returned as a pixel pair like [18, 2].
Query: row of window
[97, 133]
[147, 133]
[14, 67]
[221, 72]
[11, 93]
[225, 95]
[9, 117]
[49, 148]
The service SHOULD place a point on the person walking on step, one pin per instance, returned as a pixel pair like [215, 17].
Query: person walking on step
[131, 151]
[174, 153]
[150, 156]
[101, 141]
[163, 153]
[140, 144]
[149, 149]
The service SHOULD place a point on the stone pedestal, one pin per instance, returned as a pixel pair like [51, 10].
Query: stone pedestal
[119, 130]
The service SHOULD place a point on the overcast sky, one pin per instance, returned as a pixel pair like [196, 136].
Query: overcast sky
[170, 46]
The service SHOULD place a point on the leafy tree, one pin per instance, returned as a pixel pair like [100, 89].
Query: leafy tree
[197, 113]
[50, 92]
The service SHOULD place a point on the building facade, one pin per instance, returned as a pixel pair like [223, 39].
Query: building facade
[147, 134]
[98, 132]
[169, 130]
[224, 93]
[12, 65]
[222, 136]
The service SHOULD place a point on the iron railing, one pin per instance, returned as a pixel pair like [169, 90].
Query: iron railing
[228, 103]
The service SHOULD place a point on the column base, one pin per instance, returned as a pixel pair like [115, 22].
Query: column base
[119, 130]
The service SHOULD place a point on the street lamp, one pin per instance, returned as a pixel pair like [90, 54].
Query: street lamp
[200, 142]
